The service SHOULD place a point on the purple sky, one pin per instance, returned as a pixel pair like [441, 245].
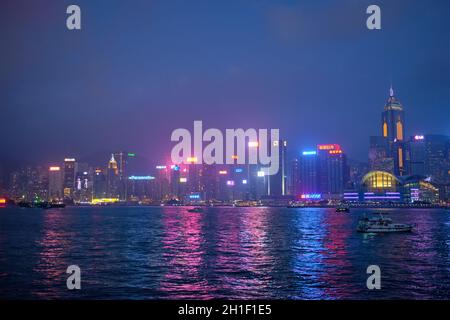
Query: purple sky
[140, 69]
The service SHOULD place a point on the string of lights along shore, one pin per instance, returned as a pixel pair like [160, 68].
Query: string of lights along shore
[400, 169]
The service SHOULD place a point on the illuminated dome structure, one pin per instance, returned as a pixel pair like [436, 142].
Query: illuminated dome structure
[380, 181]
[381, 186]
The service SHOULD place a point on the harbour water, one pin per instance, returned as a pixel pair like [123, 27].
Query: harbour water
[229, 253]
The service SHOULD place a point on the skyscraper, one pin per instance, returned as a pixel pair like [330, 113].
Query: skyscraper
[309, 172]
[416, 155]
[69, 177]
[162, 182]
[437, 161]
[278, 181]
[332, 169]
[55, 183]
[123, 159]
[392, 127]
[176, 187]
[112, 178]
[294, 174]
[99, 184]
[83, 186]
[387, 152]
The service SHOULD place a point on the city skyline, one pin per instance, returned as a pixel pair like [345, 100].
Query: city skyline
[119, 92]
[225, 157]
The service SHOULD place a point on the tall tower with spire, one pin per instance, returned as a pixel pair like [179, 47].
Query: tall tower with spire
[112, 178]
[393, 130]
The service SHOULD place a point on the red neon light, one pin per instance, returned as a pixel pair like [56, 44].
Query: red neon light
[329, 147]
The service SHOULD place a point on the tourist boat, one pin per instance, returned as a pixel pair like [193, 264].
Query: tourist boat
[342, 208]
[41, 204]
[296, 205]
[196, 209]
[57, 205]
[382, 224]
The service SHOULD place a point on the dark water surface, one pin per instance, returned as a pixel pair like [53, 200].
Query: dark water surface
[233, 253]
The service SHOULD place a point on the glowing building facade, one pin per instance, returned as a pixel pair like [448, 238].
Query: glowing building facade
[112, 178]
[393, 130]
[69, 177]
[380, 186]
[55, 183]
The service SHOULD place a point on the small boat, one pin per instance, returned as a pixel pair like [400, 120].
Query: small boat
[25, 204]
[382, 224]
[296, 205]
[42, 205]
[196, 209]
[342, 209]
[57, 205]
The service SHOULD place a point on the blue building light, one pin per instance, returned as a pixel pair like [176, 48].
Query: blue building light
[315, 196]
[141, 178]
[309, 153]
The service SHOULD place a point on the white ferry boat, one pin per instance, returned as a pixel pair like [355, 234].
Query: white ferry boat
[382, 224]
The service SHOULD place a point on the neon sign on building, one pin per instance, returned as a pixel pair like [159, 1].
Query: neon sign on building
[311, 196]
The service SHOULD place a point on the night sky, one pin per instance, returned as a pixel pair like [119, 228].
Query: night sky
[139, 69]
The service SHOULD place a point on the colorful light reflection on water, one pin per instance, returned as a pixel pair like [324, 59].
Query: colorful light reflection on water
[231, 253]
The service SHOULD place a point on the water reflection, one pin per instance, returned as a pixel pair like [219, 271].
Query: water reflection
[184, 255]
[53, 255]
[232, 253]
[242, 261]
[339, 269]
[309, 248]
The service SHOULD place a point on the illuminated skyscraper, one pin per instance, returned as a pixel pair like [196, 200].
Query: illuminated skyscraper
[112, 178]
[99, 184]
[175, 185]
[332, 169]
[416, 155]
[309, 172]
[69, 177]
[392, 119]
[55, 183]
[162, 182]
[83, 184]
[123, 159]
[278, 181]
[392, 129]
[437, 164]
